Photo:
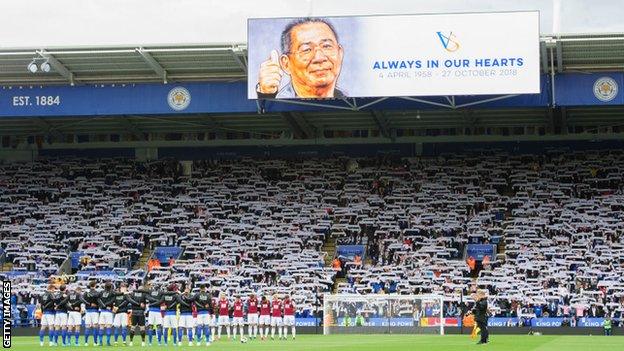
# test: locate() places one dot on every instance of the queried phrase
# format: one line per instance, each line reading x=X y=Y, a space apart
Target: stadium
x=312 y=174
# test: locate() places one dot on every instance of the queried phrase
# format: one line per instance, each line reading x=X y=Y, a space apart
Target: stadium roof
x=112 y=65
x=107 y=65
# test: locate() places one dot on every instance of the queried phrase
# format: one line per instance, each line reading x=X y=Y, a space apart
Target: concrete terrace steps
x=6 y=266
x=338 y=282
x=145 y=256
x=330 y=248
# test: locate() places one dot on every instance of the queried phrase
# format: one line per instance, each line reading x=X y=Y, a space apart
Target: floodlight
x=45 y=67
x=32 y=67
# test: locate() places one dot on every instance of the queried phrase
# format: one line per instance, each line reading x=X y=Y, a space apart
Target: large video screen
x=406 y=55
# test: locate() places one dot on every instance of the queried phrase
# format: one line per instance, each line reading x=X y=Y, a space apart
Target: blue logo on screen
x=449 y=42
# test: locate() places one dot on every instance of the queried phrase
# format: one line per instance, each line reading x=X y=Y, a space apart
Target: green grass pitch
x=377 y=343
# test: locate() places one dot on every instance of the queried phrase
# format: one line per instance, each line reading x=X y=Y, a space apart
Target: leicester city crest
x=605 y=89
x=179 y=98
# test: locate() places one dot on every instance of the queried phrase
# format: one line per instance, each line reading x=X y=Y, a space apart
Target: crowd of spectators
x=259 y=225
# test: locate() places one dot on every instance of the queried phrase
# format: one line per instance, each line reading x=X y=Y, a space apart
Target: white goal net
x=375 y=314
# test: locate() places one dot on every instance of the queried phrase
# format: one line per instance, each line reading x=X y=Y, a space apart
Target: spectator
x=486 y=262
x=153 y=263
x=336 y=264
x=23 y=315
x=472 y=263
x=38 y=314
x=561 y=222
x=606 y=325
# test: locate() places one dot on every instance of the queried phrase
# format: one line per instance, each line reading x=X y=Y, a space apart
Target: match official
x=137 y=303
x=480 y=312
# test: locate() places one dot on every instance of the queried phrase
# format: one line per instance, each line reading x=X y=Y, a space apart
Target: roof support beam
x=559 y=57
x=292 y=125
x=433 y=103
x=308 y=103
x=58 y=66
x=212 y=124
x=154 y=65
x=469 y=120
x=372 y=103
x=486 y=100
x=382 y=123
x=307 y=128
x=544 y=57
x=239 y=56
x=133 y=128
x=299 y=126
x=48 y=129
x=209 y=125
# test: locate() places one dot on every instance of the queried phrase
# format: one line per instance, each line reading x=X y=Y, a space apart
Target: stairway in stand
x=6 y=266
x=330 y=248
x=145 y=256
x=337 y=283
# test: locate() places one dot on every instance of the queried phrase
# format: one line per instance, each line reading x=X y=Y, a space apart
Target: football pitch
x=377 y=343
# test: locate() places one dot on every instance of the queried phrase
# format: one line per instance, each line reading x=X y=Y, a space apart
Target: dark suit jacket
x=480 y=311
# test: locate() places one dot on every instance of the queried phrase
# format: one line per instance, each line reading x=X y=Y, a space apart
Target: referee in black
x=136 y=304
x=480 y=312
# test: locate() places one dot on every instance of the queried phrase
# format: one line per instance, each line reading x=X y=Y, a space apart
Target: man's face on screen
x=315 y=57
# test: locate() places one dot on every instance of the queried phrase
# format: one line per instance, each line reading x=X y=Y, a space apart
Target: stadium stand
x=259 y=226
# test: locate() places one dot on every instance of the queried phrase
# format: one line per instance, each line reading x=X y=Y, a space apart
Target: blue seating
x=75 y=259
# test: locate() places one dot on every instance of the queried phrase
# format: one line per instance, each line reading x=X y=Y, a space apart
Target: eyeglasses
x=307 y=51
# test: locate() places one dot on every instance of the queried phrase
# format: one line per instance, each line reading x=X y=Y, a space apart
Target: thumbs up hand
x=270 y=74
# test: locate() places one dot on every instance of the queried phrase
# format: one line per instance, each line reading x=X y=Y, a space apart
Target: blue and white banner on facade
x=546 y=322
x=503 y=322
x=590 y=322
x=116 y=99
x=596 y=89
x=398 y=55
x=380 y=322
x=581 y=89
x=193 y=98
x=307 y=322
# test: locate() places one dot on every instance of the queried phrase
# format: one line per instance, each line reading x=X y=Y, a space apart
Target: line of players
x=106 y=314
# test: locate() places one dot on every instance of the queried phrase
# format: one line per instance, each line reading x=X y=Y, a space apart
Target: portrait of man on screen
x=311 y=55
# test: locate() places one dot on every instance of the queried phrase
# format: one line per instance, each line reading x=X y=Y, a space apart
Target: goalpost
x=375 y=314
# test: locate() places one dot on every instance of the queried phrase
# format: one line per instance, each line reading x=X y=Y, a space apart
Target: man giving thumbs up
x=311 y=56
